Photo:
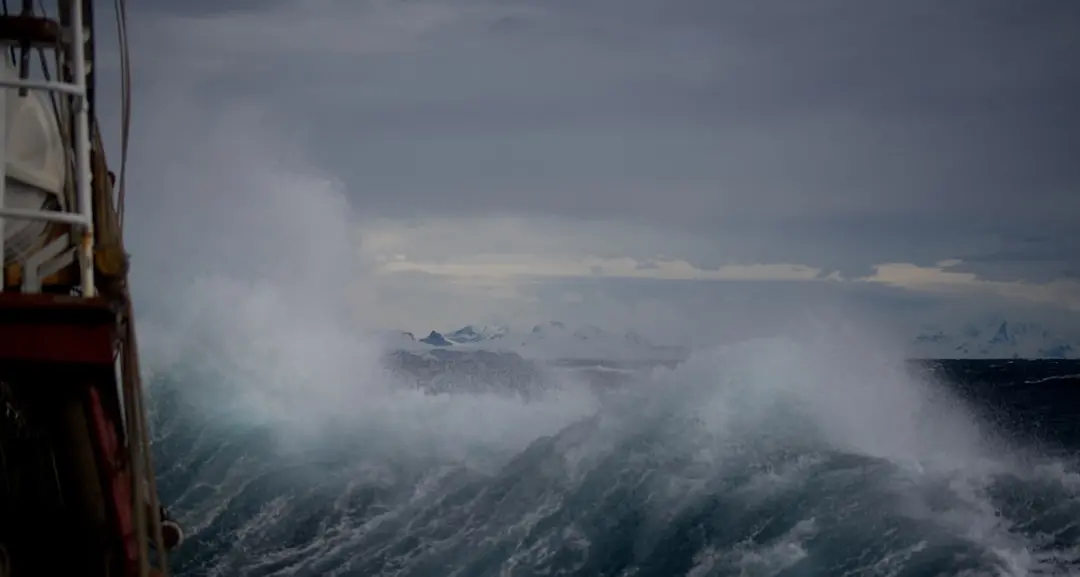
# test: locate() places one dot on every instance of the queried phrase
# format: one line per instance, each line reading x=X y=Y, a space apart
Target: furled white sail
x=35 y=164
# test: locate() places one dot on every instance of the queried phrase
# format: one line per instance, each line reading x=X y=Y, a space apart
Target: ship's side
x=77 y=490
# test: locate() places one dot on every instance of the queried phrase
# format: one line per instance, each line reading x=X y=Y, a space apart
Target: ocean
x=764 y=458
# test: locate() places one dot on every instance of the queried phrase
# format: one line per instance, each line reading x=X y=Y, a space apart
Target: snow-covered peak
x=436 y=339
x=474 y=334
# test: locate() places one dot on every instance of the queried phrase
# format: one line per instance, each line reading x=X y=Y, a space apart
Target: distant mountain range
x=994 y=337
x=547 y=341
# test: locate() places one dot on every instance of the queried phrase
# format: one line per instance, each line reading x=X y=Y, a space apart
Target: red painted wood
x=56 y=329
x=58 y=306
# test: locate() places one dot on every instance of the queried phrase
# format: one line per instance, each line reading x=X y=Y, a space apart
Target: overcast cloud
x=526 y=159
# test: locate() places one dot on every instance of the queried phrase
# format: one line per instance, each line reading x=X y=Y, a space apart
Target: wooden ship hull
x=77 y=488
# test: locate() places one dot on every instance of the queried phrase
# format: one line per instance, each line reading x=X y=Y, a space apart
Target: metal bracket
x=48 y=261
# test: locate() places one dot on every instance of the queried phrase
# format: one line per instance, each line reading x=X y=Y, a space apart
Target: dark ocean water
x=751 y=460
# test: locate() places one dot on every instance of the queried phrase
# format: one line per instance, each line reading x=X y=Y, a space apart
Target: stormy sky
x=673 y=163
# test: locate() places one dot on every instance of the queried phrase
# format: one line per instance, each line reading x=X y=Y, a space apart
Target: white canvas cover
x=35 y=164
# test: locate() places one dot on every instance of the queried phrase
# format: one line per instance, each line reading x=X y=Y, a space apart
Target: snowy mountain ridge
x=996 y=338
x=990 y=338
x=552 y=340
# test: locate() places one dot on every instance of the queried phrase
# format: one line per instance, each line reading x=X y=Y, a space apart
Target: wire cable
x=125 y=108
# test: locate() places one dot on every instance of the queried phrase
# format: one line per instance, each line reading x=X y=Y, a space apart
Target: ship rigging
x=77 y=488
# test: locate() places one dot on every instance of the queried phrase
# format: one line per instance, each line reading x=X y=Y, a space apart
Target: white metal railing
x=82 y=219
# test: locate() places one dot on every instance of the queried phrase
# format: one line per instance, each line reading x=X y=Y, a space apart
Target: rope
x=139 y=427
x=139 y=436
x=125 y=107
x=139 y=444
x=136 y=449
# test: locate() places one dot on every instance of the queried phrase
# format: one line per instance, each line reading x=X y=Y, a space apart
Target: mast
x=70 y=383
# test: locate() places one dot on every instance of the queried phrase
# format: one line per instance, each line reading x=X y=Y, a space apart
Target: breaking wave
x=291 y=452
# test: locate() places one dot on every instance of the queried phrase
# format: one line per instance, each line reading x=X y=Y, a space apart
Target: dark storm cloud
x=203 y=7
x=732 y=108
x=842 y=133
